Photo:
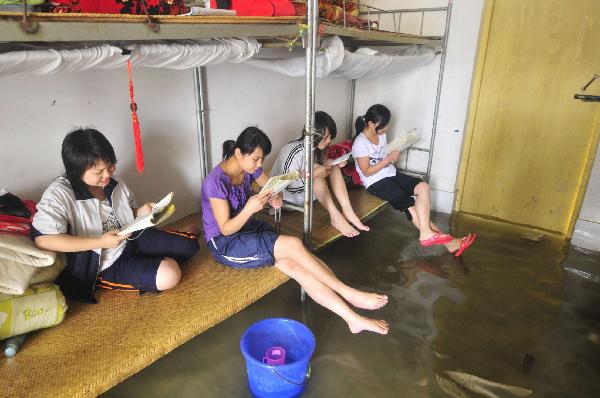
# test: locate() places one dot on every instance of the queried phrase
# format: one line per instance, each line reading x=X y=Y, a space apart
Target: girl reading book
x=406 y=193
x=236 y=239
x=81 y=214
x=291 y=157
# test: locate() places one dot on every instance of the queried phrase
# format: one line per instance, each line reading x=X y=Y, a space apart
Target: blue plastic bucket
x=266 y=381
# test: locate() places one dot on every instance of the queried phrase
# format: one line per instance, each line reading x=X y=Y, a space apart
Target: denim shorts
x=252 y=247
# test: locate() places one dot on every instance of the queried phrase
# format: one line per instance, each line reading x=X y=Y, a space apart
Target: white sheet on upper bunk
x=182 y=55
x=335 y=62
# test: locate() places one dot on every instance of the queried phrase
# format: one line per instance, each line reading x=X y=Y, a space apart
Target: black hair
x=83 y=148
x=250 y=139
x=378 y=114
x=322 y=121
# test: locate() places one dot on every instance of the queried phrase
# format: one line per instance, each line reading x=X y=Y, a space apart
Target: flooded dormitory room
x=318 y=198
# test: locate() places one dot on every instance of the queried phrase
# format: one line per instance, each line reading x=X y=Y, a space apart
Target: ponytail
x=228 y=149
x=359 y=125
x=250 y=139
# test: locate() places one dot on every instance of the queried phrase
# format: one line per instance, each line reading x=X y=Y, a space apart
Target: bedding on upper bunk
x=336 y=62
x=182 y=55
x=154 y=7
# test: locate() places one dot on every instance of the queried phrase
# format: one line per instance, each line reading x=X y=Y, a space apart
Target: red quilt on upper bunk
x=155 y=7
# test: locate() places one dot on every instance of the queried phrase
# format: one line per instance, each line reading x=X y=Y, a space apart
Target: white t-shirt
x=361 y=148
x=291 y=157
x=109 y=223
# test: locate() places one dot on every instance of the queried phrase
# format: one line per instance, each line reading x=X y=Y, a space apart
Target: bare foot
x=367 y=301
x=339 y=222
x=372 y=325
x=353 y=218
x=454 y=245
x=192 y=229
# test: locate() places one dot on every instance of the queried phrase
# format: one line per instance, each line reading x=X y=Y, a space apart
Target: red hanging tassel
x=137 y=138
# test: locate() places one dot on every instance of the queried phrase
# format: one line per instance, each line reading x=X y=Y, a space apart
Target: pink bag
x=258 y=8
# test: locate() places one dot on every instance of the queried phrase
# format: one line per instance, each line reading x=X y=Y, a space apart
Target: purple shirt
x=218 y=185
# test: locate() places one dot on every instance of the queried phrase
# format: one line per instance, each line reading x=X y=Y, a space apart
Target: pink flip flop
x=437 y=239
x=465 y=243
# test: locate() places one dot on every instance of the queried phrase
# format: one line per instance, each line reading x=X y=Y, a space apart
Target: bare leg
x=338 y=186
x=168 y=274
x=452 y=246
x=289 y=247
x=423 y=209
x=328 y=299
x=337 y=219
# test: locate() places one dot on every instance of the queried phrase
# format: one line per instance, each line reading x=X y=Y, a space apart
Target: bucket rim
x=249 y=357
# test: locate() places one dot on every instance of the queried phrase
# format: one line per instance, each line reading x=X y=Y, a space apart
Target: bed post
x=199 y=79
x=350 y=132
x=438 y=94
x=312 y=19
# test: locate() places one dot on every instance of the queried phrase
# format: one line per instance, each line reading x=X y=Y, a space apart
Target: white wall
x=411 y=98
x=37 y=111
x=587 y=228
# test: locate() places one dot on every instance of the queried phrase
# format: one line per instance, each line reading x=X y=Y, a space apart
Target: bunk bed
x=98 y=346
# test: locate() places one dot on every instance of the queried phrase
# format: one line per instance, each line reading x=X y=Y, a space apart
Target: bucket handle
x=293 y=382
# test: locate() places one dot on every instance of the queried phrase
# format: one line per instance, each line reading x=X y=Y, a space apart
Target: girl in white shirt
x=409 y=194
x=291 y=157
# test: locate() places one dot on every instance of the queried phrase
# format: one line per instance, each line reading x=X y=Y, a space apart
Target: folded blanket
x=23 y=250
x=22 y=263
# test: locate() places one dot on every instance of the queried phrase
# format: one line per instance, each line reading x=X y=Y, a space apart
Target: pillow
x=41 y=306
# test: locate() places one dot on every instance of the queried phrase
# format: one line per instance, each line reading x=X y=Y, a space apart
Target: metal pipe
x=199 y=79
x=439 y=90
x=351 y=109
x=312 y=12
x=400 y=10
x=309 y=117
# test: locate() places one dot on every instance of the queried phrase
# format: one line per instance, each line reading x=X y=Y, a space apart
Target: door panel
x=530 y=138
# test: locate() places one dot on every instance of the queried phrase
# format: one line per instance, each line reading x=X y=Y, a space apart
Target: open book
x=403 y=141
x=160 y=212
x=278 y=183
x=339 y=160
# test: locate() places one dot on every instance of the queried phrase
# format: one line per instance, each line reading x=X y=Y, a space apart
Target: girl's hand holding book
x=146 y=208
x=276 y=202
x=110 y=239
x=258 y=201
x=392 y=157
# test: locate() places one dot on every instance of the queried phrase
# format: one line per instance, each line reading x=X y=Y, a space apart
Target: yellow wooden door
x=529 y=144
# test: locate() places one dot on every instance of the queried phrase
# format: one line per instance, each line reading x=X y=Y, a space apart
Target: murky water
x=506 y=312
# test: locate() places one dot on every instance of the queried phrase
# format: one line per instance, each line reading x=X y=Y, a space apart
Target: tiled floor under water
x=511 y=311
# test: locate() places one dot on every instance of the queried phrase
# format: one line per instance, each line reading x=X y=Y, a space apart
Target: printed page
x=278 y=183
x=403 y=141
x=160 y=212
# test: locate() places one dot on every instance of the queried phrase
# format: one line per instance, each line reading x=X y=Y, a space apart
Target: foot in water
x=339 y=222
x=353 y=218
x=367 y=301
x=372 y=325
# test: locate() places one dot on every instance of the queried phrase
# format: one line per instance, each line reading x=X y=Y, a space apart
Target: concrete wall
x=37 y=111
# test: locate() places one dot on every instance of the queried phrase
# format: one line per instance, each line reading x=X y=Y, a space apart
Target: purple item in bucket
x=274 y=356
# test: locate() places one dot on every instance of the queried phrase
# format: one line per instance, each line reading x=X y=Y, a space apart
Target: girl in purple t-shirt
x=235 y=238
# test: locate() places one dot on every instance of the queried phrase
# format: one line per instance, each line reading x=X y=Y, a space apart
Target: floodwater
x=511 y=317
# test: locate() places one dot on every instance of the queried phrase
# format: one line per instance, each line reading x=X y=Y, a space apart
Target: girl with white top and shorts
x=411 y=195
